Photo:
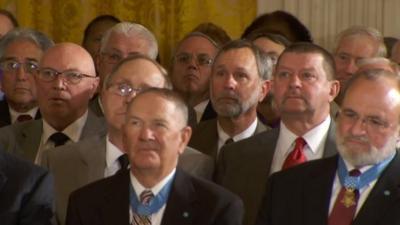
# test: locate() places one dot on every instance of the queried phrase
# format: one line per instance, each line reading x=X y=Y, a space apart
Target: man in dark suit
x=154 y=189
x=65 y=83
x=78 y=164
x=303 y=85
x=20 y=53
x=118 y=42
x=361 y=184
x=26 y=192
x=239 y=80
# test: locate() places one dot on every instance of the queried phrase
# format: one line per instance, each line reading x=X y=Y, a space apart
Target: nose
x=229 y=81
x=129 y=97
x=146 y=133
x=59 y=82
x=358 y=127
x=351 y=67
x=294 y=81
x=21 y=74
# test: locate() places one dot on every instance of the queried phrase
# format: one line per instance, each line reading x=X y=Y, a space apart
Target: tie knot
x=300 y=142
x=24 y=117
x=59 y=138
x=229 y=141
x=146 y=196
x=123 y=161
x=355 y=173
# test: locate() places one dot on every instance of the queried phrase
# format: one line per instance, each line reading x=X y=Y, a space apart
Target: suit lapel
x=180 y=203
x=29 y=139
x=93 y=155
x=93 y=126
x=330 y=144
x=5 y=117
x=209 y=112
x=317 y=192
x=383 y=196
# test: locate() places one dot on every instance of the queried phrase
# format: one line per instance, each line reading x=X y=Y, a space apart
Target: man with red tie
x=303 y=85
x=361 y=184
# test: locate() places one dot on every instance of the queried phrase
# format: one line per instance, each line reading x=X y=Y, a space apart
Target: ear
x=333 y=89
x=94 y=85
x=186 y=133
x=265 y=89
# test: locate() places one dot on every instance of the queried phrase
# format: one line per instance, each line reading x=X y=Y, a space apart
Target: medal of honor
x=349 y=198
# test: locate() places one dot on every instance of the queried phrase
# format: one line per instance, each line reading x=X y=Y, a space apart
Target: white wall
x=326 y=18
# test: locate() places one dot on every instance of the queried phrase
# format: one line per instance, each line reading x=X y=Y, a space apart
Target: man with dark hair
x=154 y=190
x=303 y=85
x=361 y=184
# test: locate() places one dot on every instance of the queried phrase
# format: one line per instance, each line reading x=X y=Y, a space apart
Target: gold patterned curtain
x=65 y=20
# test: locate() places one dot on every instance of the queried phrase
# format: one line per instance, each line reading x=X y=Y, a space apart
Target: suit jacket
x=94 y=106
x=26 y=192
x=205 y=136
x=5 y=117
x=209 y=112
x=23 y=139
x=78 y=164
x=244 y=167
x=306 y=200
x=191 y=201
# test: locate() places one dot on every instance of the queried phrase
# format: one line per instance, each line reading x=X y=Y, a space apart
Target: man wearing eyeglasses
x=20 y=53
x=239 y=80
x=191 y=68
x=360 y=185
x=120 y=41
x=103 y=155
x=65 y=83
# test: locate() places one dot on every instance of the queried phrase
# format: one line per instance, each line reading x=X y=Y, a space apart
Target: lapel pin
x=386 y=192
x=185 y=214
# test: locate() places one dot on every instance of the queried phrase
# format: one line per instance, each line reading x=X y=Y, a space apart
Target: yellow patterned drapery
x=65 y=20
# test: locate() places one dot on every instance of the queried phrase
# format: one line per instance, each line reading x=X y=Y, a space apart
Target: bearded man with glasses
x=20 y=53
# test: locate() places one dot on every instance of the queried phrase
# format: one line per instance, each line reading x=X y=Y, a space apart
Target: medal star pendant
x=349 y=198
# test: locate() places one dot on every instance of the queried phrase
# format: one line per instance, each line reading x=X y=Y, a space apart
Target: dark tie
x=345 y=206
x=24 y=117
x=297 y=155
x=145 y=198
x=229 y=141
x=59 y=138
x=123 y=163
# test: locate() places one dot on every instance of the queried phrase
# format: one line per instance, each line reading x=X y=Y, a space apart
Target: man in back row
x=303 y=86
x=154 y=191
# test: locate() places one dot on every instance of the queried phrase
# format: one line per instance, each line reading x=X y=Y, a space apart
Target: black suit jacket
x=26 y=192
x=5 y=117
x=301 y=196
x=107 y=202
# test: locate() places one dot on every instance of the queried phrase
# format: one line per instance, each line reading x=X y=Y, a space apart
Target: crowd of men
x=269 y=129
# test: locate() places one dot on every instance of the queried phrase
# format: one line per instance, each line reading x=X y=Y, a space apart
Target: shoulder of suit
x=21 y=168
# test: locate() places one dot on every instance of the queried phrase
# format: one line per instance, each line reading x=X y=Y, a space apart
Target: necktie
x=123 y=162
x=24 y=117
x=145 y=198
x=59 y=138
x=297 y=155
x=345 y=206
x=229 y=141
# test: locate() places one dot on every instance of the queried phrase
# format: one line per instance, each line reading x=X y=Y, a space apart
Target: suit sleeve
x=264 y=213
x=38 y=205
x=232 y=214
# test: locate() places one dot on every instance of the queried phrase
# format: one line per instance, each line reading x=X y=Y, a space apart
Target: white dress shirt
x=73 y=131
x=248 y=132
x=199 y=109
x=314 y=149
x=14 y=114
x=112 y=155
x=155 y=217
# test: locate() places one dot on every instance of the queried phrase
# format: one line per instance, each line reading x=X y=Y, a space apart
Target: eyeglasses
x=70 y=76
x=372 y=123
x=112 y=58
x=13 y=66
x=201 y=59
x=124 y=89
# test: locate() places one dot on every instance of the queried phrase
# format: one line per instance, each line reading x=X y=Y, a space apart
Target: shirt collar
x=73 y=131
x=313 y=137
x=199 y=109
x=139 y=188
x=248 y=132
x=112 y=152
x=14 y=114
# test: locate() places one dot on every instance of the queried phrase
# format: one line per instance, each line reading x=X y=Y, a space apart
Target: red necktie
x=345 y=205
x=297 y=155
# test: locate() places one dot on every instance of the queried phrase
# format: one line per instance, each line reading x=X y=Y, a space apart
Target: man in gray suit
x=239 y=80
x=76 y=165
x=65 y=83
x=120 y=41
x=303 y=85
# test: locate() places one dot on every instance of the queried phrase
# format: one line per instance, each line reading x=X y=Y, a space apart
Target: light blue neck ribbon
x=358 y=182
x=155 y=203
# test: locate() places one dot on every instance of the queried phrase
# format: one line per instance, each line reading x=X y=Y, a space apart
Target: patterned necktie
x=123 y=163
x=346 y=204
x=59 y=138
x=297 y=155
x=24 y=117
x=145 y=197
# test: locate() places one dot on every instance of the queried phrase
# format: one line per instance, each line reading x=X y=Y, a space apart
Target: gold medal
x=349 y=198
